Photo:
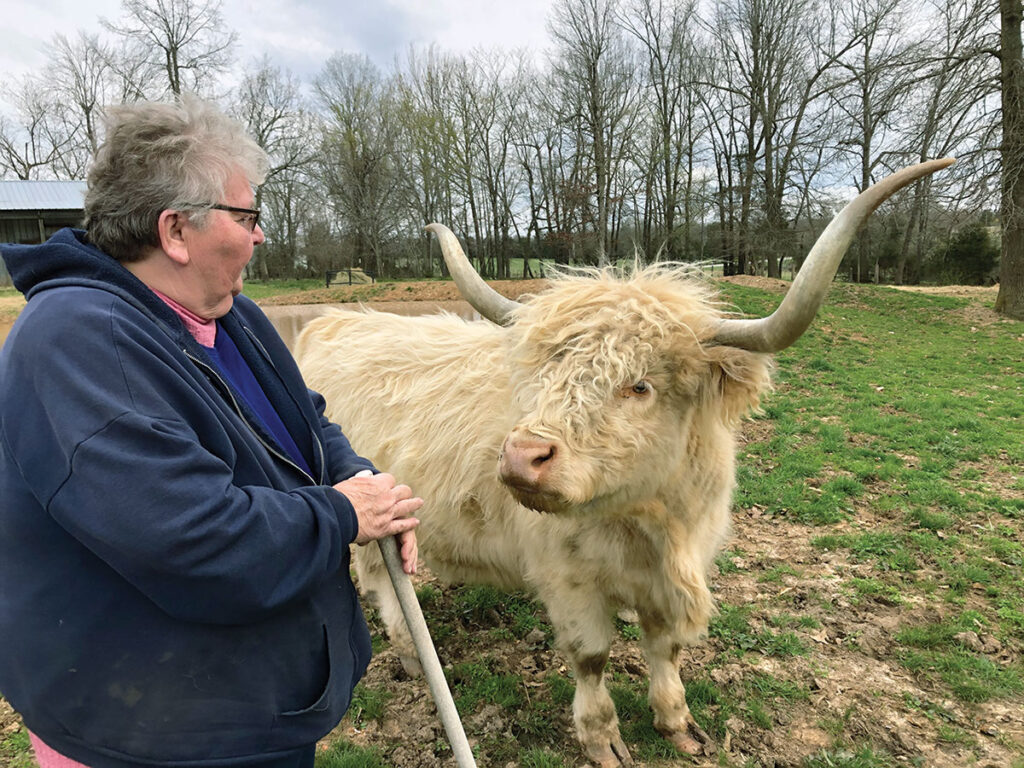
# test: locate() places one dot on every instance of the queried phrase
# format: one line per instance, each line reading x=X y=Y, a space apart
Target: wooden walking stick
x=428 y=654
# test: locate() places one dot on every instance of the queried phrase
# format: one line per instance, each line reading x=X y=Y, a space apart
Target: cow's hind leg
x=375 y=584
x=584 y=633
x=667 y=696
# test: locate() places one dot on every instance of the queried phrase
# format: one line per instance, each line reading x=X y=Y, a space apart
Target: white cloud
x=297 y=35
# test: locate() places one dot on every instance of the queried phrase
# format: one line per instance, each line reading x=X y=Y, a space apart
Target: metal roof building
x=31 y=211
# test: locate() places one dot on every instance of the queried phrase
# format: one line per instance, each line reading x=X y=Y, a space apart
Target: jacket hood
x=67 y=258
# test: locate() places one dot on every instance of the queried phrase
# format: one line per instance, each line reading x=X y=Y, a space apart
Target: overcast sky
x=299 y=35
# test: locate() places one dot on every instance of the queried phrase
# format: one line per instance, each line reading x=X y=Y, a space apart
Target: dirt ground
x=856 y=684
x=436 y=290
x=10 y=306
x=858 y=690
x=422 y=290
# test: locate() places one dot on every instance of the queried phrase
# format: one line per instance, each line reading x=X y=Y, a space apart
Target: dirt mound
x=417 y=290
x=963 y=291
x=770 y=284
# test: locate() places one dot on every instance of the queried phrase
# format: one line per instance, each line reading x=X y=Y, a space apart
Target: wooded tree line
x=726 y=131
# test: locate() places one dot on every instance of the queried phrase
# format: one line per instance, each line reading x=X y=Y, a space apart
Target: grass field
x=871 y=600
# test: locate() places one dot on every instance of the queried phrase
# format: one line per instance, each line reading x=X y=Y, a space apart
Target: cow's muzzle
x=526 y=466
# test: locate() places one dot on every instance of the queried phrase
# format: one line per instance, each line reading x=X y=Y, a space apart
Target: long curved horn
x=807 y=293
x=484 y=299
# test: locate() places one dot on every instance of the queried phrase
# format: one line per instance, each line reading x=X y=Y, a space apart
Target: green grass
x=934 y=651
x=477 y=683
x=504 y=614
x=367 y=704
x=344 y=755
x=894 y=445
x=16 y=751
x=541 y=758
x=733 y=627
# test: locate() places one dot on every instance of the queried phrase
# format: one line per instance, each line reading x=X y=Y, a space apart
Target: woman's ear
x=171 y=228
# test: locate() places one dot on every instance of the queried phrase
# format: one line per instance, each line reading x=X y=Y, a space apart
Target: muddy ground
x=859 y=692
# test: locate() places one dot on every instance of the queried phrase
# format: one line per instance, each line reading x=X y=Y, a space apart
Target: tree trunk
x=1010 y=300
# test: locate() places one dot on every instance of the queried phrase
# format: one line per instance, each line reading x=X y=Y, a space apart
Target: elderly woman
x=177 y=512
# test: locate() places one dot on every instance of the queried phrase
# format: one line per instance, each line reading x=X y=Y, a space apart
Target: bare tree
x=269 y=102
x=56 y=129
x=551 y=175
x=505 y=181
x=133 y=79
x=780 y=56
x=489 y=91
x=32 y=144
x=472 y=115
x=949 y=112
x=358 y=156
x=882 y=68
x=186 y=40
x=596 y=83
x=423 y=93
x=664 y=33
x=733 y=145
x=80 y=76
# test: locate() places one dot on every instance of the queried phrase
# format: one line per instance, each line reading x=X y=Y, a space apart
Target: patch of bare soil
x=421 y=290
x=978 y=313
x=10 y=306
x=963 y=291
x=769 y=284
x=775 y=285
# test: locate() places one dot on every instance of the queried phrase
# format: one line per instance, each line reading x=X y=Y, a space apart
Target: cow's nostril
x=544 y=457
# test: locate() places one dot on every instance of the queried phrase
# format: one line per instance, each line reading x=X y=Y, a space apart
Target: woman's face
x=219 y=251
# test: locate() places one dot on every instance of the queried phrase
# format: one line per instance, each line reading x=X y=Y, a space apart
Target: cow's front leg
x=583 y=632
x=375 y=584
x=667 y=696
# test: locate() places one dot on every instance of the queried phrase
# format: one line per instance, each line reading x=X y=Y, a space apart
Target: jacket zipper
x=312 y=432
x=234 y=404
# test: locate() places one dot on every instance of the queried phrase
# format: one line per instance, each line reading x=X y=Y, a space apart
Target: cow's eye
x=641 y=389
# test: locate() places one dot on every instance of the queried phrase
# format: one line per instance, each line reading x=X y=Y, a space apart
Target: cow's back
x=424 y=398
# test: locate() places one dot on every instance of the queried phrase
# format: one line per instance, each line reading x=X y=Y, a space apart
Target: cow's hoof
x=411 y=665
x=610 y=754
x=628 y=615
x=692 y=741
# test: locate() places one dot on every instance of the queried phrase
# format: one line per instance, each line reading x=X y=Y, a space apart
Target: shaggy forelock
x=596 y=331
x=157 y=156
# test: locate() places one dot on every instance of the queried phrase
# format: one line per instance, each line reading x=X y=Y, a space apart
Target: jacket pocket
x=324 y=700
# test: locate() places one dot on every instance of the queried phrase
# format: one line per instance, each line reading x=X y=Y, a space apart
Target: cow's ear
x=738 y=379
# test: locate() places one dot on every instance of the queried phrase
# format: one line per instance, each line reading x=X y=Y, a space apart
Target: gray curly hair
x=157 y=156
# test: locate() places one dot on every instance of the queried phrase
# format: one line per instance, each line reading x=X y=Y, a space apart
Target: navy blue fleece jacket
x=173 y=589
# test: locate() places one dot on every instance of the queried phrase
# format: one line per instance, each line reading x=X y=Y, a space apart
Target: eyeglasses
x=251 y=219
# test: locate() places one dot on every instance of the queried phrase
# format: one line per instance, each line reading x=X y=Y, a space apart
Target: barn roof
x=42 y=195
